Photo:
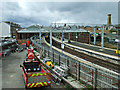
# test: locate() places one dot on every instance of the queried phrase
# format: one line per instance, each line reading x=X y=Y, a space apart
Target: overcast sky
x=44 y=13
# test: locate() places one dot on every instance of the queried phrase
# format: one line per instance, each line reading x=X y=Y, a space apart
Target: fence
x=87 y=75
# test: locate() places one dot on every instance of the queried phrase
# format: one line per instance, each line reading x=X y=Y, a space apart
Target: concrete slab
x=74 y=83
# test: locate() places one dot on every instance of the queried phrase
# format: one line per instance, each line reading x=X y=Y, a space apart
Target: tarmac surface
x=12 y=73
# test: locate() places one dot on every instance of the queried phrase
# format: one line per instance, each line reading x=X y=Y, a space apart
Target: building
x=109 y=20
x=24 y=34
x=13 y=28
x=5 y=30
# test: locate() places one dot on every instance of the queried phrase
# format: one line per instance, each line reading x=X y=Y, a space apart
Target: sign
x=96 y=34
x=76 y=36
x=62 y=46
x=113 y=32
x=117 y=40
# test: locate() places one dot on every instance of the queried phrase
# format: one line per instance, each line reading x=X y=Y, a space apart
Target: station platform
x=107 y=52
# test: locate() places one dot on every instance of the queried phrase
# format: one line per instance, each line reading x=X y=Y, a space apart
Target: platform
x=111 y=53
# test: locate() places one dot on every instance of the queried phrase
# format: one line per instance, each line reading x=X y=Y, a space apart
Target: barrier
x=86 y=74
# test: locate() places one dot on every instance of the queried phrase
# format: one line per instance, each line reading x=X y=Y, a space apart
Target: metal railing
x=87 y=75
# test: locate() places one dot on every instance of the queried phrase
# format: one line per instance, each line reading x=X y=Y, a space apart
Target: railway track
x=98 y=61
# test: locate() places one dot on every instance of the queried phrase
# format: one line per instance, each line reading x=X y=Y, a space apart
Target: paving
x=74 y=83
x=12 y=73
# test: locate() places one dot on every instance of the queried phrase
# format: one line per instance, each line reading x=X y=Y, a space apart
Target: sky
x=45 y=13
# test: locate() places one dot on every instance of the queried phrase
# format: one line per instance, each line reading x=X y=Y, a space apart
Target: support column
x=102 y=38
x=40 y=36
x=53 y=57
x=94 y=36
x=69 y=37
x=95 y=84
x=50 y=39
x=79 y=71
x=62 y=46
x=89 y=39
x=59 y=59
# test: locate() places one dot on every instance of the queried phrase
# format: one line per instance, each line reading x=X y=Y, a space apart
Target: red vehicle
x=35 y=75
x=30 y=55
x=27 y=43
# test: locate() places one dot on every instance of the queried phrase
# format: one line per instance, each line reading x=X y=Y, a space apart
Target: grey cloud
x=47 y=12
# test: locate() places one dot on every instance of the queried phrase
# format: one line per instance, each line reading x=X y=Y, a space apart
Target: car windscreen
x=31 y=65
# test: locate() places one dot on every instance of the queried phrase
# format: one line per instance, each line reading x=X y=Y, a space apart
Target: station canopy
x=54 y=30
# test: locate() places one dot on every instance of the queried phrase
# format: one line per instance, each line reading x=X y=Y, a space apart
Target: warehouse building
x=5 y=30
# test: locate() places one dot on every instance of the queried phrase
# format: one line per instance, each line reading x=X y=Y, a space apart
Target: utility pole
x=94 y=36
x=102 y=38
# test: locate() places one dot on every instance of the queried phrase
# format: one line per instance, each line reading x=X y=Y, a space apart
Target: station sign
x=117 y=40
x=62 y=46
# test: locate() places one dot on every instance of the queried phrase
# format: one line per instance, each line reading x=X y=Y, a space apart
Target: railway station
x=60 y=55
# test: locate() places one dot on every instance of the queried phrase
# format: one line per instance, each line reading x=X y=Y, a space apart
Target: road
x=12 y=74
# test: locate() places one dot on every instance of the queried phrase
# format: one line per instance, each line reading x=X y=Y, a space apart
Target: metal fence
x=87 y=75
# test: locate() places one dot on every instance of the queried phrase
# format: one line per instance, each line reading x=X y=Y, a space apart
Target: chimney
x=109 y=19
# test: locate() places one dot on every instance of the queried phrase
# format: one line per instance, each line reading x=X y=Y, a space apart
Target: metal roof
x=37 y=30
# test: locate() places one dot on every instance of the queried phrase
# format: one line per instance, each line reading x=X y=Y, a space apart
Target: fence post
x=59 y=59
x=76 y=70
x=119 y=81
x=95 y=84
x=67 y=61
x=79 y=71
x=53 y=56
